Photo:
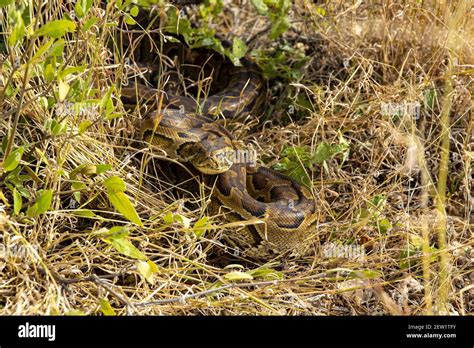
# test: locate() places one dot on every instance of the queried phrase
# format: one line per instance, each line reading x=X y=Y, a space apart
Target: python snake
x=278 y=212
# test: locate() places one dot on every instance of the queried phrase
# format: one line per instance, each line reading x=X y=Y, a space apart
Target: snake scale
x=277 y=212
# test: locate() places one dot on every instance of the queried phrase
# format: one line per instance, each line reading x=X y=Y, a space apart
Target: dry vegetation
x=403 y=190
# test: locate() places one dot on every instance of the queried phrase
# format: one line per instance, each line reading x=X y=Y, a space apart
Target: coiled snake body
x=278 y=212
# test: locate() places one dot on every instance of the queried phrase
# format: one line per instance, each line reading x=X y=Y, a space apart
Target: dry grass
x=361 y=57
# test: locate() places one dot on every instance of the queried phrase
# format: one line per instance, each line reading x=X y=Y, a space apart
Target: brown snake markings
x=252 y=193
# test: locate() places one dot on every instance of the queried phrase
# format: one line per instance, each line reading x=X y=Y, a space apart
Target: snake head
x=212 y=155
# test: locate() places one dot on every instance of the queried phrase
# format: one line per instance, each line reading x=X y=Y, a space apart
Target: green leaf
x=384 y=225
x=168 y=218
x=71 y=70
x=102 y=168
x=49 y=73
x=115 y=184
x=42 y=50
x=237 y=275
x=200 y=226
x=147 y=269
x=323 y=153
x=122 y=203
x=13 y=159
x=17 y=201
x=18 y=31
x=125 y=247
x=106 y=308
x=239 y=48
x=129 y=19
x=106 y=102
x=58 y=48
x=57 y=28
x=4 y=3
x=279 y=27
x=134 y=11
x=321 y=11
x=89 y=23
x=78 y=186
x=84 y=125
x=58 y=128
x=429 y=99
x=32 y=210
x=115 y=192
x=44 y=201
x=63 y=90
x=78 y=10
x=260 y=6
x=87 y=213
x=266 y=273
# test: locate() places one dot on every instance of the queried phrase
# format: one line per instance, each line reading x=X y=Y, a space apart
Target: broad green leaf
x=114 y=183
x=78 y=10
x=84 y=125
x=429 y=99
x=260 y=6
x=117 y=232
x=57 y=28
x=115 y=192
x=266 y=273
x=89 y=23
x=122 y=203
x=71 y=70
x=76 y=186
x=102 y=168
x=18 y=31
x=384 y=225
x=147 y=269
x=4 y=3
x=84 y=169
x=321 y=11
x=174 y=217
x=125 y=247
x=86 y=5
x=49 y=73
x=58 y=48
x=323 y=153
x=44 y=201
x=168 y=218
x=42 y=50
x=186 y=222
x=279 y=27
x=17 y=201
x=32 y=210
x=63 y=89
x=237 y=275
x=106 y=308
x=106 y=102
x=85 y=213
x=200 y=226
x=134 y=11
x=58 y=128
x=13 y=159
x=129 y=19
x=239 y=48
